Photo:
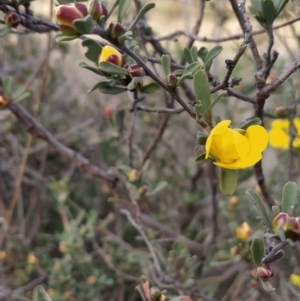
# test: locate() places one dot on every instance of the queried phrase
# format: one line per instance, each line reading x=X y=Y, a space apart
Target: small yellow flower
x=295 y=280
x=279 y=133
x=110 y=55
x=243 y=232
x=236 y=148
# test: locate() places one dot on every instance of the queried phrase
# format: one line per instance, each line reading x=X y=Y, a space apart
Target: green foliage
x=257 y=250
x=260 y=207
x=202 y=92
x=228 y=181
x=289 y=197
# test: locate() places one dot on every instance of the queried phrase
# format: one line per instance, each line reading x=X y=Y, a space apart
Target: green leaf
x=201 y=158
x=166 y=63
x=267 y=285
x=281 y=7
x=150 y=88
x=183 y=77
x=159 y=187
x=202 y=52
x=140 y=15
x=194 y=53
x=95 y=70
x=202 y=91
x=228 y=181
x=257 y=250
x=254 y=121
x=7 y=85
x=94 y=49
x=201 y=138
x=112 y=68
x=187 y=55
x=60 y=37
x=4 y=30
x=289 y=197
x=108 y=88
x=192 y=68
x=260 y=207
x=211 y=55
x=84 y=25
x=127 y=36
x=20 y=94
x=275 y=210
x=123 y=7
x=269 y=12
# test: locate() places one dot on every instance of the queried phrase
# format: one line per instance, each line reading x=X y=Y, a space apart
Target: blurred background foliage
x=67 y=239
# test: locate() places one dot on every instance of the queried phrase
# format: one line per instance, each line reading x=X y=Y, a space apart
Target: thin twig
x=222 y=39
x=145 y=238
x=37 y=130
x=156 y=139
x=196 y=28
x=159 y=110
x=292 y=133
x=101 y=252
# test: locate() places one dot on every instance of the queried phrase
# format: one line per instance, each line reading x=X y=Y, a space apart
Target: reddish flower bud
x=172 y=80
x=108 y=112
x=265 y=272
x=289 y=224
x=3 y=101
x=96 y=11
x=110 y=55
x=135 y=70
x=280 y=221
x=12 y=19
x=142 y=190
x=281 y=112
x=65 y=15
x=116 y=29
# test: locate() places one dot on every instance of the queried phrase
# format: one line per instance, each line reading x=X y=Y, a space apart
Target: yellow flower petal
x=295 y=279
x=279 y=137
x=258 y=138
x=241 y=164
x=217 y=130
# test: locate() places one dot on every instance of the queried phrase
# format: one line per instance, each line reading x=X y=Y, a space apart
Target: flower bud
x=135 y=84
x=132 y=175
x=281 y=112
x=172 y=80
x=142 y=190
x=31 y=258
x=108 y=112
x=96 y=11
x=110 y=55
x=289 y=224
x=135 y=70
x=12 y=19
x=243 y=232
x=3 y=101
x=91 y=280
x=116 y=29
x=234 y=251
x=265 y=272
x=155 y=293
x=65 y=15
x=280 y=221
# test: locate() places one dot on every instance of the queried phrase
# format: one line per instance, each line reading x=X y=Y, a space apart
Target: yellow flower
x=279 y=133
x=110 y=55
x=236 y=148
x=295 y=279
x=243 y=232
